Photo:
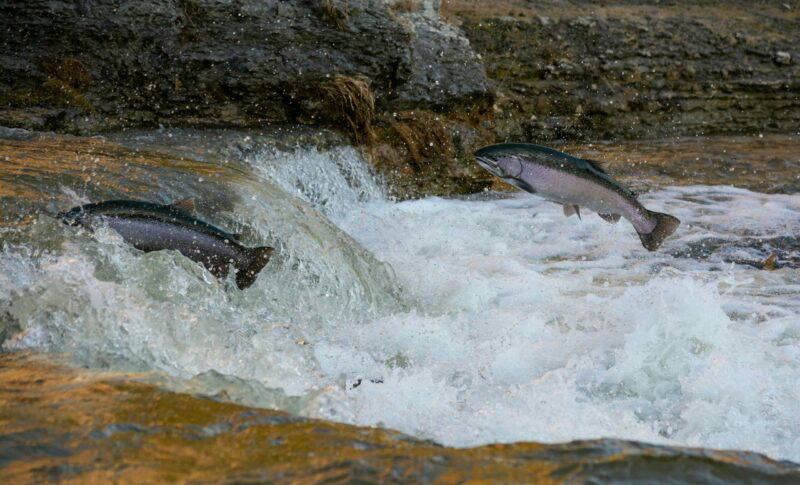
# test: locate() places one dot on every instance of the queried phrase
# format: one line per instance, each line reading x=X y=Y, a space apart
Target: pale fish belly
x=147 y=236
x=565 y=188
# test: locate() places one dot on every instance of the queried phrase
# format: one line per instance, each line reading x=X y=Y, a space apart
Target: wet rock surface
x=106 y=64
x=107 y=427
x=763 y=253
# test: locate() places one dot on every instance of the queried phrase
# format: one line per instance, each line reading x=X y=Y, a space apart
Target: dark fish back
x=165 y=213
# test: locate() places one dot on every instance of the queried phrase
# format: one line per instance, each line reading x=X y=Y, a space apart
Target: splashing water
x=499 y=320
x=537 y=327
x=334 y=181
x=96 y=297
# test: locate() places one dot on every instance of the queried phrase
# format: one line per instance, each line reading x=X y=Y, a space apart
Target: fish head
x=499 y=162
x=489 y=165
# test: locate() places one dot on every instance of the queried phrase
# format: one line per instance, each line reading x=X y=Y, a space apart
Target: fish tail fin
x=665 y=225
x=254 y=261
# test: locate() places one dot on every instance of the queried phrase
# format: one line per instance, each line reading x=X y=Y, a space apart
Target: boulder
x=89 y=65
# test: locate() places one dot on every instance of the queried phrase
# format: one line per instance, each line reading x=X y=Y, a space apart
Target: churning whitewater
x=468 y=321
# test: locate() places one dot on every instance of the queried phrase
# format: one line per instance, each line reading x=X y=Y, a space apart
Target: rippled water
x=491 y=318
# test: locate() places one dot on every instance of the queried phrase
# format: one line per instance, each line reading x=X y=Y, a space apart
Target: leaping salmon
x=575 y=183
x=153 y=227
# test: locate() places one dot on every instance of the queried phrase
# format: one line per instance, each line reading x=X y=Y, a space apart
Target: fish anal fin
x=570 y=209
x=219 y=270
x=188 y=204
x=612 y=218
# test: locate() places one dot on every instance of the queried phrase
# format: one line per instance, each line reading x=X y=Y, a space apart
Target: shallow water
x=486 y=319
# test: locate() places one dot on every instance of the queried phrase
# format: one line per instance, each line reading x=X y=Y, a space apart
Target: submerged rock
x=764 y=253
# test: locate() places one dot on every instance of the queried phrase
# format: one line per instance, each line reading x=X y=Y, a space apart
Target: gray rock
x=429 y=8
x=584 y=22
x=241 y=62
x=16 y=134
x=444 y=69
x=635 y=59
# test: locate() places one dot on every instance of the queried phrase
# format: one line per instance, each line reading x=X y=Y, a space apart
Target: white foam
x=532 y=326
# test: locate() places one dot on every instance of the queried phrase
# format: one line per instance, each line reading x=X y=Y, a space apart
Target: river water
x=488 y=318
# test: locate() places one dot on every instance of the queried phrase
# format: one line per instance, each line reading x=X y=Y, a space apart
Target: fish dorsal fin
x=188 y=205
x=597 y=168
x=572 y=209
x=612 y=218
x=595 y=165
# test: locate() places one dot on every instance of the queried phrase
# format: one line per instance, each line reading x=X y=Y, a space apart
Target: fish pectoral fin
x=187 y=205
x=612 y=218
x=570 y=209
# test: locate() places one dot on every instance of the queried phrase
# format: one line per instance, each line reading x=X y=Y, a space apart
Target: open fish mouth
x=490 y=165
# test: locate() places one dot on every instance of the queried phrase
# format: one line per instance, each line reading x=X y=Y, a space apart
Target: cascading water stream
x=92 y=295
x=468 y=321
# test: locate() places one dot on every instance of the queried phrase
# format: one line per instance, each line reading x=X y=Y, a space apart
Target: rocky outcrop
x=625 y=69
x=434 y=39
x=101 y=64
x=401 y=79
